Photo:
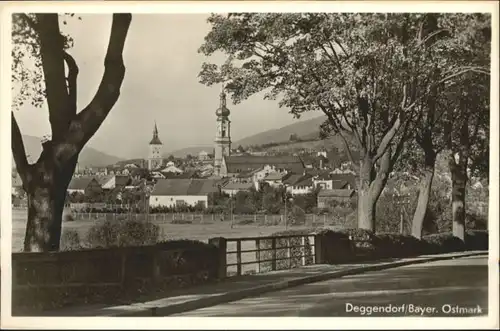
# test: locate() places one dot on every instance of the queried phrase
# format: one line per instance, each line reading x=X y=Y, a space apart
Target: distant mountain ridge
x=89 y=157
x=308 y=129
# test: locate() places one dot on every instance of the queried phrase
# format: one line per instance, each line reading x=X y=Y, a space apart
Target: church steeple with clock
x=223 y=134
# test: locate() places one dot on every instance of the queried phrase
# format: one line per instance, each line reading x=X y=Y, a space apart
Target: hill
x=304 y=129
x=89 y=157
x=194 y=150
x=308 y=129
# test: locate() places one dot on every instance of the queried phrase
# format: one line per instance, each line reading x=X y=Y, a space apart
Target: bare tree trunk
x=371 y=185
x=46 y=198
x=423 y=194
x=458 y=183
x=366 y=204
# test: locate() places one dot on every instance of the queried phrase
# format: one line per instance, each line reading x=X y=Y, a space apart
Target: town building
x=234 y=165
x=183 y=192
x=275 y=178
x=328 y=198
x=170 y=167
x=111 y=182
x=232 y=188
x=155 y=158
x=297 y=184
x=84 y=185
x=331 y=181
x=222 y=140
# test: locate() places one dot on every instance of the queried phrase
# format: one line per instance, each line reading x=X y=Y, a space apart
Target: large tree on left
x=46 y=180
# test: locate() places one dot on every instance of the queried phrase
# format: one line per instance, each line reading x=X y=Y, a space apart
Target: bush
x=363 y=242
x=68 y=218
x=476 y=240
x=397 y=245
x=297 y=216
x=70 y=240
x=441 y=243
x=124 y=233
x=476 y=221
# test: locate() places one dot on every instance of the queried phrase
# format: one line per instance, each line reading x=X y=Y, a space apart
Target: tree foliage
x=27 y=75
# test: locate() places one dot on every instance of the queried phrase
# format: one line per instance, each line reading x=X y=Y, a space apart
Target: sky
x=161 y=84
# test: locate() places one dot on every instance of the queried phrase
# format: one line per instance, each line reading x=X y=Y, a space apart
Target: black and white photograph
x=249 y=159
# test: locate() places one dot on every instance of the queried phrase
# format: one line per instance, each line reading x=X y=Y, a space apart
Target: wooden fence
x=233 y=220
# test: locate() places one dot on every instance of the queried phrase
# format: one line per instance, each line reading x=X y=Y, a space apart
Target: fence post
x=273 y=251
x=221 y=245
x=324 y=219
x=257 y=255
x=303 y=243
x=314 y=219
x=238 y=257
x=265 y=219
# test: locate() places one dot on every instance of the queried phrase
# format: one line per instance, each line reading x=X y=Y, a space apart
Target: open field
x=201 y=227
x=197 y=230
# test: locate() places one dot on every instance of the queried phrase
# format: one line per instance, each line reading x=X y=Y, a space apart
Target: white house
x=111 y=182
x=177 y=192
x=232 y=188
x=172 y=168
x=297 y=184
x=275 y=178
x=131 y=165
x=157 y=175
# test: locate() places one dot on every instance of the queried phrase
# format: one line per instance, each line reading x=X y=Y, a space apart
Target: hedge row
x=354 y=245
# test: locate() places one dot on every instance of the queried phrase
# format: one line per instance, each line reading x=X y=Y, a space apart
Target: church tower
x=223 y=134
x=155 y=151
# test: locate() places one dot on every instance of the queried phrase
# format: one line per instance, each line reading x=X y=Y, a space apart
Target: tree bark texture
x=458 y=184
x=424 y=193
x=371 y=184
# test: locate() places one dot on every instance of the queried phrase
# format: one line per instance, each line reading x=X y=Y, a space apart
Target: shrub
x=70 y=240
x=441 y=243
x=363 y=242
x=297 y=216
x=124 y=233
x=476 y=240
x=68 y=218
x=396 y=245
x=476 y=221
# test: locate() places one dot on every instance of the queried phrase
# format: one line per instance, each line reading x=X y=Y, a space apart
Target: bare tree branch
x=387 y=139
x=88 y=121
x=52 y=54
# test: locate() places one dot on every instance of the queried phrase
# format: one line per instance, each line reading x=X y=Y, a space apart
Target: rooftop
x=187 y=187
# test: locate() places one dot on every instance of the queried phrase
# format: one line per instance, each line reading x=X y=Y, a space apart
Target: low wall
x=43 y=281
